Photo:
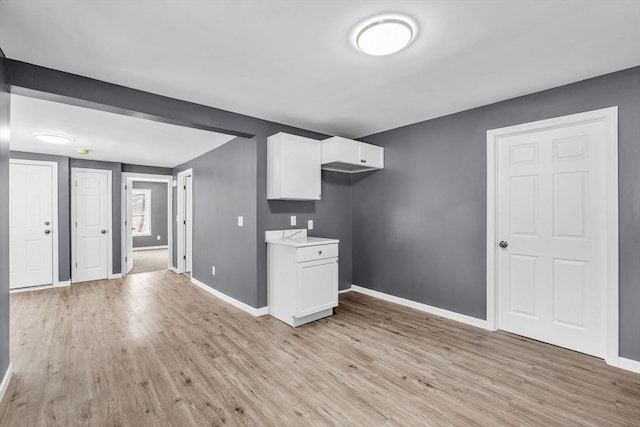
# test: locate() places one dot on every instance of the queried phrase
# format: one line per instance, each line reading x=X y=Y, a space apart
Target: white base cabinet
x=302 y=281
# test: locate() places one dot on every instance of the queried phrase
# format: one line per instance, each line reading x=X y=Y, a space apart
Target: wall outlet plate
x=310 y=224
x=157 y=237
x=240 y=221
x=213 y=270
x=293 y=220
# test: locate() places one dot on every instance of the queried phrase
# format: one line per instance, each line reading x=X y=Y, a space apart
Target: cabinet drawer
x=311 y=253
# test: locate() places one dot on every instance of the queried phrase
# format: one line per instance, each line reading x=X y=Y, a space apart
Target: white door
x=129 y=224
x=91 y=207
x=551 y=222
x=188 y=226
x=30 y=225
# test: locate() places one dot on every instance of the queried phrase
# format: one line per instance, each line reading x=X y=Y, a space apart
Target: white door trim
x=54 y=213
x=168 y=179
x=181 y=264
x=74 y=171
x=610 y=117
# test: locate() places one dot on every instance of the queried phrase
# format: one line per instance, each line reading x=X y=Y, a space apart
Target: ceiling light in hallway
x=384 y=35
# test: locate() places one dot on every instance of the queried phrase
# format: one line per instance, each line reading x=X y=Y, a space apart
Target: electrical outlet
x=158 y=238
x=213 y=270
x=240 y=221
x=293 y=220
x=310 y=224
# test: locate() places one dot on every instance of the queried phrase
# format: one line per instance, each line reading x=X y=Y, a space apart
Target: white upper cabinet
x=293 y=167
x=346 y=155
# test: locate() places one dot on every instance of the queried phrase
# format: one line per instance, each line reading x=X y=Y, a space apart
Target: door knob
x=47 y=231
x=47 y=223
x=503 y=244
x=103 y=231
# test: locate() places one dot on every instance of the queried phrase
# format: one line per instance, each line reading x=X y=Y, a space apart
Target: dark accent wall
x=5 y=107
x=419 y=226
x=158 y=213
x=224 y=187
x=64 y=205
x=154 y=170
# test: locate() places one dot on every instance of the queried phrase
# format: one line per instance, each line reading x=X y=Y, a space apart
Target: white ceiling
x=292 y=61
x=108 y=136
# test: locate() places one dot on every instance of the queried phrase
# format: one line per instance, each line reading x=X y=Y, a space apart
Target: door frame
x=610 y=117
x=74 y=244
x=181 y=264
x=54 y=214
x=131 y=177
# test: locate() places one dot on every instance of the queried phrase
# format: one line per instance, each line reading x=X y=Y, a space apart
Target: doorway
x=33 y=224
x=552 y=231
x=146 y=222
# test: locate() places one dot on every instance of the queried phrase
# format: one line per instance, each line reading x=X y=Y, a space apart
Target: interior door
x=188 y=209
x=129 y=224
x=92 y=212
x=551 y=228
x=30 y=225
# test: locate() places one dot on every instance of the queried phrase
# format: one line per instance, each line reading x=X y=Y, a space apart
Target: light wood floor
x=154 y=350
x=149 y=260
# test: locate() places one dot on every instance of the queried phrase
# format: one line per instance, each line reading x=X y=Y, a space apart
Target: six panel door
x=551 y=213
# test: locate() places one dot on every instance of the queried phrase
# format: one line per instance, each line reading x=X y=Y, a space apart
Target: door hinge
x=126 y=259
x=76 y=224
x=184 y=222
x=125 y=223
x=76 y=265
x=125 y=187
x=184 y=187
x=184 y=257
x=76 y=183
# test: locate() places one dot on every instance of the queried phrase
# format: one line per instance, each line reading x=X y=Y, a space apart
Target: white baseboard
x=451 y=315
x=62 y=284
x=344 y=290
x=115 y=276
x=172 y=268
x=629 y=365
x=234 y=302
x=5 y=381
x=150 y=248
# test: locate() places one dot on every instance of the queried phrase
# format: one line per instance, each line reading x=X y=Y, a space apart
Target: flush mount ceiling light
x=53 y=139
x=384 y=34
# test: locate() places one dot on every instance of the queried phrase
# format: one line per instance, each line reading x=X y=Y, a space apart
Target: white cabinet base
x=299 y=321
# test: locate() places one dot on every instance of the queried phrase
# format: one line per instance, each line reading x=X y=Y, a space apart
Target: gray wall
x=5 y=104
x=158 y=211
x=224 y=187
x=154 y=170
x=419 y=226
x=64 y=207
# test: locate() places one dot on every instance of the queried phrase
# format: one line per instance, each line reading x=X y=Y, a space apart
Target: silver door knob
x=103 y=231
x=47 y=231
x=503 y=244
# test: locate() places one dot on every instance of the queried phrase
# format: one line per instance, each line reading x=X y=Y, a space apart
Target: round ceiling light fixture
x=384 y=34
x=53 y=139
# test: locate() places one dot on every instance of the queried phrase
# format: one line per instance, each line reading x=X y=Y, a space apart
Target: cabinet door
x=349 y=151
x=372 y=155
x=317 y=288
x=300 y=168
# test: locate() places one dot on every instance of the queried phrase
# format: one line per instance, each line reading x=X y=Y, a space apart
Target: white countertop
x=303 y=241
x=296 y=237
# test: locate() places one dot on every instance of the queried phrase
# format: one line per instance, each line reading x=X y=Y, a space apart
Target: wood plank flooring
x=154 y=350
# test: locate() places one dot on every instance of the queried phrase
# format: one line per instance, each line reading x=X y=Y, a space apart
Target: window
x=141 y=221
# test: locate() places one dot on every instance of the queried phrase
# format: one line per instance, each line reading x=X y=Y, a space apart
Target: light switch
x=293 y=220
x=213 y=270
x=158 y=237
x=174 y=183
x=310 y=224
x=240 y=221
